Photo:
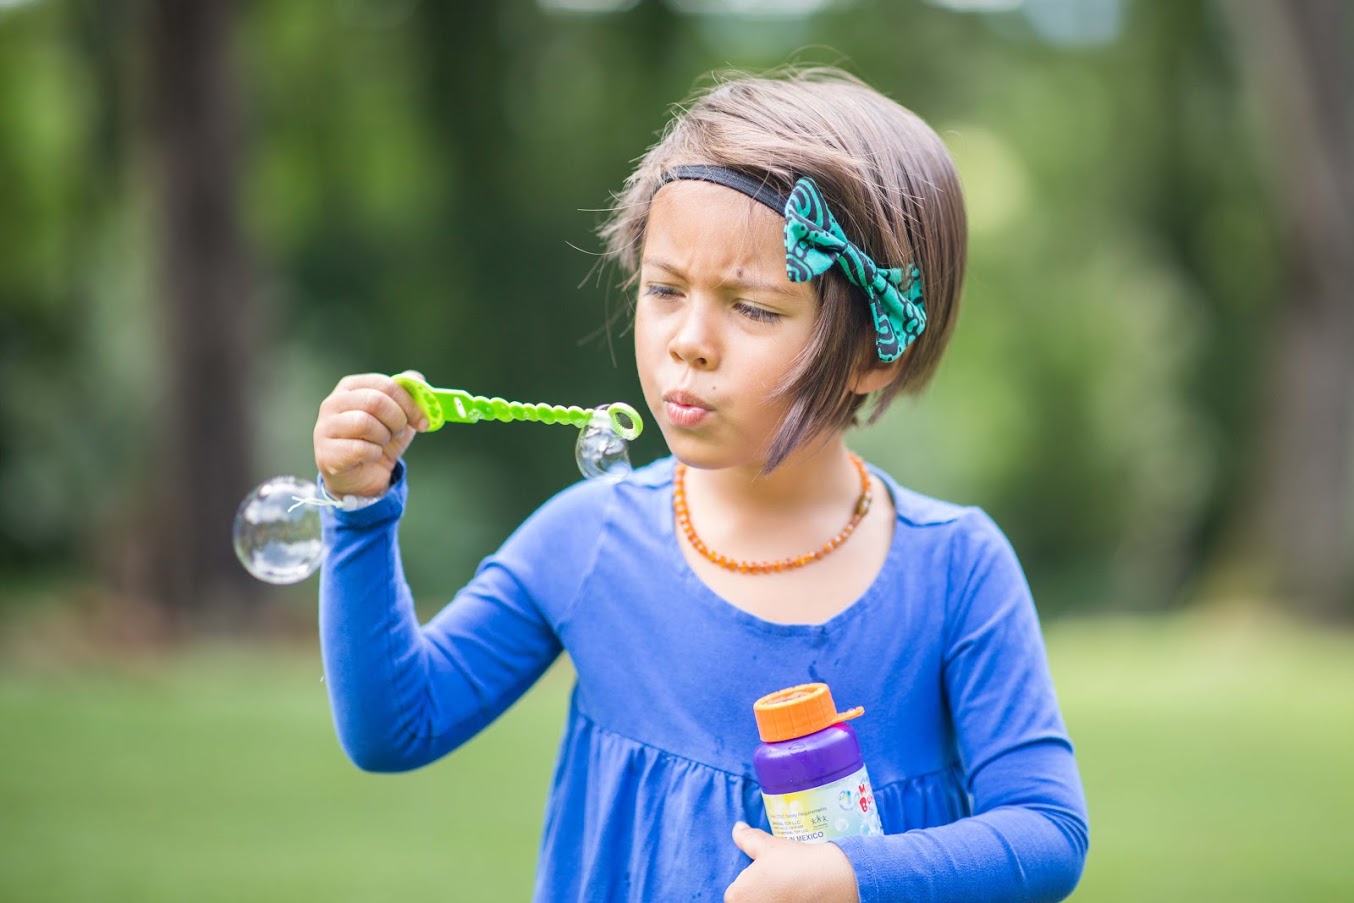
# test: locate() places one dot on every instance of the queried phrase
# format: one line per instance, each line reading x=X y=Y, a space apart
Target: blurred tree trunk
x=1302 y=526
x=207 y=298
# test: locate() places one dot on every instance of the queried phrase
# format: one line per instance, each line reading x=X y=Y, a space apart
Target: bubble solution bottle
x=814 y=782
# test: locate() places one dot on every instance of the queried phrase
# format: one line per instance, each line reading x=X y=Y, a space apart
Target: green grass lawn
x=1218 y=757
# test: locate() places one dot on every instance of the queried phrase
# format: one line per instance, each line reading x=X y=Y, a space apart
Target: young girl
x=797 y=247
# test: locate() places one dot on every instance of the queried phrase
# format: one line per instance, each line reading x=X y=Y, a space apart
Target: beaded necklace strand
x=683 y=515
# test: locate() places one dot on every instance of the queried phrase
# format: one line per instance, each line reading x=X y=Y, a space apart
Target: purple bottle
x=814 y=782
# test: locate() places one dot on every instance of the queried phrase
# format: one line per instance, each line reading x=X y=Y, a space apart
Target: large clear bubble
x=278 y=535
x=601 y=453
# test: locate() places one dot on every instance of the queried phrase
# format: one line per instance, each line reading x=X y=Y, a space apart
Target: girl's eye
x=760 y=314
x=660 y=291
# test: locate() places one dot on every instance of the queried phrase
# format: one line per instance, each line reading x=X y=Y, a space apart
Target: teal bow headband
x=815 y=242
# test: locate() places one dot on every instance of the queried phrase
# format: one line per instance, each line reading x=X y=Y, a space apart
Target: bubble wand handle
x=444 y=406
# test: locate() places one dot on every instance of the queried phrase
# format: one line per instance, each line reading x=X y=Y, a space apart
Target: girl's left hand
x=786 y=871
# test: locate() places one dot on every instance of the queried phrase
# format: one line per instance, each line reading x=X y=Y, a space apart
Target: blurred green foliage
x=420 y=186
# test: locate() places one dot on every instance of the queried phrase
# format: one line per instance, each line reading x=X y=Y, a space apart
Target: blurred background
x=210 y=211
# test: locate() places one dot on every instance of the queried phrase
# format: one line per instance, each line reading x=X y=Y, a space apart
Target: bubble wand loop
x=443 y=406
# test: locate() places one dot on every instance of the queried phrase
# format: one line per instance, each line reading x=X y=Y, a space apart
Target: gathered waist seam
x=598 y=726
x=594 y=724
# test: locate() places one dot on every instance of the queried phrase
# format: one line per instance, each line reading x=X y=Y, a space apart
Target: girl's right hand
x=363 y=428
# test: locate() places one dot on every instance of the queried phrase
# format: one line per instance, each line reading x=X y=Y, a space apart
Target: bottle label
x=843 y=808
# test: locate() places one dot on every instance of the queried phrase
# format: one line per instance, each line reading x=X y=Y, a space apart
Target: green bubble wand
x=443 y=406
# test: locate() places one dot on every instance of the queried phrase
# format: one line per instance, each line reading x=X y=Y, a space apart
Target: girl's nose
x=694 y=342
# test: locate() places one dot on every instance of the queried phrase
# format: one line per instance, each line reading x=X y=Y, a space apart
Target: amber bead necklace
x=766 y=567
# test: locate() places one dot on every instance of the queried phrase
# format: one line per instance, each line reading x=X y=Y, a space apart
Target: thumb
x=752 y=841
x=400 y=442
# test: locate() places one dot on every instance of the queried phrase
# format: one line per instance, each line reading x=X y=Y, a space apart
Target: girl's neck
x=819 y=474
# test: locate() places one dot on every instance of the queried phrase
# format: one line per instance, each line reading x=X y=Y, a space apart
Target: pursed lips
x=685 y=409
x=687 y=400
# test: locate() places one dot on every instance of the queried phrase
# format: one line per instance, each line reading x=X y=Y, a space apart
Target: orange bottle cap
x=798 y=712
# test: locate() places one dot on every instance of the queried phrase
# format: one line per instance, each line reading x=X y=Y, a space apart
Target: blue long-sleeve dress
x=972 y=768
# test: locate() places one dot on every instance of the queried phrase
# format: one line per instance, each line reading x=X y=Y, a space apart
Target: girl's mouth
x=684 y=409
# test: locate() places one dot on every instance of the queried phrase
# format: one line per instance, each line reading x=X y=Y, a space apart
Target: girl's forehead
x=690 y=220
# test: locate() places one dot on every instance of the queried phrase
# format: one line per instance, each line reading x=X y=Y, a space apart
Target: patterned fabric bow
x=814 y=242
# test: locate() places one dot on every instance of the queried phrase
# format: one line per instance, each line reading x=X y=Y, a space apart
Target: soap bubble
x=278 y=538
x=600 y=453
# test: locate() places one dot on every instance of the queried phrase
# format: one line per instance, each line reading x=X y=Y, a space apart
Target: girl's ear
x=874 y=374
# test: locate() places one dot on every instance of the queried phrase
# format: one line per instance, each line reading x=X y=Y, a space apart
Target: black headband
x=753 y=187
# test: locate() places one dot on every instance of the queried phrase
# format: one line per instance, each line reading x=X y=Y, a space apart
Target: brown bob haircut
x=887 y=178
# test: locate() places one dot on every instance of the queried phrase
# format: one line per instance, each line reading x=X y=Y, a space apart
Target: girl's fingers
x=363 y=383
x=379 y=405
x=399 y=443
x=359 y=425
x=338 y=456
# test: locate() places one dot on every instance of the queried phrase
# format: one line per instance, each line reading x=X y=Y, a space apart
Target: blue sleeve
x=1027 y=837
x=403 y=694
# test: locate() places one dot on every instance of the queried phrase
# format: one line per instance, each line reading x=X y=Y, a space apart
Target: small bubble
x=600 y=453
x=278 y=538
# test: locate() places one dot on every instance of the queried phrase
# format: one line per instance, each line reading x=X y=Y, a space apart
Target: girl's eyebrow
x=770 y=288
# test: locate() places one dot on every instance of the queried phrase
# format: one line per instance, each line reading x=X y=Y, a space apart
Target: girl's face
x=718 y=324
